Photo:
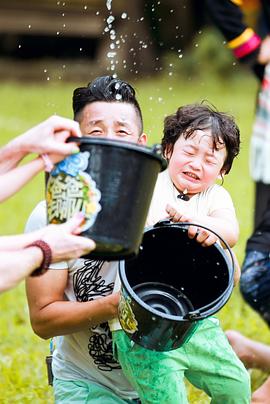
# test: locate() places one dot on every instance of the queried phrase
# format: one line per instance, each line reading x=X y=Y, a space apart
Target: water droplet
x=97 y=13
x=124 y=16
x=118 y=97
x=109 y=4
x=111 y=54
x=110 y=19
x=29 y=26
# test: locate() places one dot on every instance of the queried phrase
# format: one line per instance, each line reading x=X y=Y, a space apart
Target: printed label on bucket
x=126 y=315
x=71 y=190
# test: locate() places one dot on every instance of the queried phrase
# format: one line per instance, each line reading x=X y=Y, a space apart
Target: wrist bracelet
x=47 y=257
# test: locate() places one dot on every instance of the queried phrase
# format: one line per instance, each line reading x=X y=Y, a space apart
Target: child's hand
x=203 y=236
x=176 y=216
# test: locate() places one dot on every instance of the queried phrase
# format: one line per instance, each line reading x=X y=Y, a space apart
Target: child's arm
x=222 y=221
x=237 y=270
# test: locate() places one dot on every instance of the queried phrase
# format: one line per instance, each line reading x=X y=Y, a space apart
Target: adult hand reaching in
x=64 y=240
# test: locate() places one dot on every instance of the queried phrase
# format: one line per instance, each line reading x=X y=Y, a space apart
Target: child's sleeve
x=220 y=199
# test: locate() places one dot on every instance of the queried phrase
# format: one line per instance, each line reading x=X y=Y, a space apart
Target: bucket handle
x=157 y=149
x=196 y=314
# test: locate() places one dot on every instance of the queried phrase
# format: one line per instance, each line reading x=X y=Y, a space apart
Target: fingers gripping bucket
x=112 y=183
x=171 y=285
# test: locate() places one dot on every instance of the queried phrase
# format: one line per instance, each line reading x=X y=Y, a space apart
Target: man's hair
x=105 y=89
x=189 y=118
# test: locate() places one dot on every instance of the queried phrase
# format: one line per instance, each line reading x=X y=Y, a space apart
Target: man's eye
x=123 y=133
x=95 y=132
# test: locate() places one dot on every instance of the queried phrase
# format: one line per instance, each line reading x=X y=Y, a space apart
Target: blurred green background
x=206 y=71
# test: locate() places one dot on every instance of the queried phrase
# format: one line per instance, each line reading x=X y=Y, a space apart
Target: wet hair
x=189 y=118
x=105 y=89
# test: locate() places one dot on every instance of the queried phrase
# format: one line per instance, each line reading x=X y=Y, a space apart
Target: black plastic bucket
x=112 y=183
x=171 y=285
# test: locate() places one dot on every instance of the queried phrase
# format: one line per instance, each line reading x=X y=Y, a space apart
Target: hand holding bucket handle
x=196 y=314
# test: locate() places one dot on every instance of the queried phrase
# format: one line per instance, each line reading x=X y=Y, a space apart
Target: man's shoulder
x=37 y=218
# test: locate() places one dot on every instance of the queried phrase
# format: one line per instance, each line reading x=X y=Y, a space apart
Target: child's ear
x=167 y=154
x=143 y=139
x=221 y=174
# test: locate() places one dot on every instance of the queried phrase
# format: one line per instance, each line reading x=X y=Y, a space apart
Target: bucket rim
x=153 y=152
x=196 y=314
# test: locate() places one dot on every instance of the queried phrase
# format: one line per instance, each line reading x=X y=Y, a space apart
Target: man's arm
x=51 y=314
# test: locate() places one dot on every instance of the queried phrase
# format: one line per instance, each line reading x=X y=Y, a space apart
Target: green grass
x=22 y=366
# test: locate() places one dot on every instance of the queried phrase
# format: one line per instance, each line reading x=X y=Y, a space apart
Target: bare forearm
x=16 y=242
x=11 y=154
x=16 y=266
x=16 y=178
x=65 y=317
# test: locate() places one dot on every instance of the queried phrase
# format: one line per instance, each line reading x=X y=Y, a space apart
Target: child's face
x=193 y=164
x=112 y=120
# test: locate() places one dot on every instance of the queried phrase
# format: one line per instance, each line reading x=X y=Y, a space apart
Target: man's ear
x=143 y=139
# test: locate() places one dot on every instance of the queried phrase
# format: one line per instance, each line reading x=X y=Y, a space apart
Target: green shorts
x=84 y=392
x=206 y=360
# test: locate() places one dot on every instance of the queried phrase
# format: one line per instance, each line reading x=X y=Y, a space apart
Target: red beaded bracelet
x=47 y=257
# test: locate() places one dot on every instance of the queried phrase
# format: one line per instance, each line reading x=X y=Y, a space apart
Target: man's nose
x=111 y=134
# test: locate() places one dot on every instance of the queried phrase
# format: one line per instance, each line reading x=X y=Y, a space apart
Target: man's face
x=112 y=120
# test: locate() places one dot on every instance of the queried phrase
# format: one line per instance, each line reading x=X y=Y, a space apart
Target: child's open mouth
x=191 y=176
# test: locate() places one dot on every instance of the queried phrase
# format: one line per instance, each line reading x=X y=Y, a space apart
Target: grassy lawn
x=22 y=359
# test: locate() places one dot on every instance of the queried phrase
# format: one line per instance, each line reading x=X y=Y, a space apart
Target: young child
x=200 y=145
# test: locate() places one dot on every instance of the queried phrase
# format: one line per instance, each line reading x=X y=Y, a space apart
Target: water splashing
x=109 y=4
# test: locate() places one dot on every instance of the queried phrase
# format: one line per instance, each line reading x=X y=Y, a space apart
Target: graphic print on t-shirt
x=88 y=284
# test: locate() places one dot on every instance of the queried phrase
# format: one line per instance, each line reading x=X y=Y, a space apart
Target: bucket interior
x=168 y=257
x=163 y=298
